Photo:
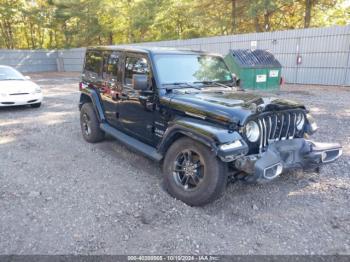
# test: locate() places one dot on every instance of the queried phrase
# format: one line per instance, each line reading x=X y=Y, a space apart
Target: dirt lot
x=61 y=195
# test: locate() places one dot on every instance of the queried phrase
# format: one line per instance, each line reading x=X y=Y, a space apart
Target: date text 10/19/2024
x=173 y=258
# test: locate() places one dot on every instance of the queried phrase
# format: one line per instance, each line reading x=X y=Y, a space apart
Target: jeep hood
x=230 y=107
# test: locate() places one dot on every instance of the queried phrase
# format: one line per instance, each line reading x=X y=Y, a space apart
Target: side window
x=111 y=66
x=93 y=64
x=135 y=65
x=106 y=55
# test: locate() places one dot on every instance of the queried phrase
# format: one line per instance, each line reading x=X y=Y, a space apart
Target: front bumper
x=287 y=154
x=19 y=100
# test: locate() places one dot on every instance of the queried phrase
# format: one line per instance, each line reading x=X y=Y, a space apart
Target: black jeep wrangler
x=182 y=108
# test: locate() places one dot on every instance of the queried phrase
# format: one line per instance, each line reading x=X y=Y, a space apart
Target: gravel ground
x=61 y=195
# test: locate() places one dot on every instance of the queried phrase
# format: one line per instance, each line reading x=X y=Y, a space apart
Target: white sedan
x=16 y=89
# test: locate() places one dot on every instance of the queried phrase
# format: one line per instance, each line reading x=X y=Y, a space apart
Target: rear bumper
x=18 y=100
x=287 y=154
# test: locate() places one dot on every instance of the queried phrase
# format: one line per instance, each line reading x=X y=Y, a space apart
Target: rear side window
x=135 y=65
x=111 y=65
x=93 y=63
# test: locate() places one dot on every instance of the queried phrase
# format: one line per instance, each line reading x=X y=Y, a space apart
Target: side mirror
x=140 y=82
x=234 y=77
x=27 y=77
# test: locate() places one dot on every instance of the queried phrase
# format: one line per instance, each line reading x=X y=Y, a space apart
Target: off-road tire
x=36 y=105
x=94 y=134
x=214 y=179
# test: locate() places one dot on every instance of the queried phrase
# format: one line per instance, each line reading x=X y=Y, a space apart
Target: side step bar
x=131 y=142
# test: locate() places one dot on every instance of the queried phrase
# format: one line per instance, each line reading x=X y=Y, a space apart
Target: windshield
x=191 y=69
x=7 y=73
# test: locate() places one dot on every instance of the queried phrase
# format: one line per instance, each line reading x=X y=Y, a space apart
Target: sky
x=346 y=3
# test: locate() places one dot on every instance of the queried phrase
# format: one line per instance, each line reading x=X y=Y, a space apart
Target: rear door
x=109 y=86
x=92 y=73
x=101 y=72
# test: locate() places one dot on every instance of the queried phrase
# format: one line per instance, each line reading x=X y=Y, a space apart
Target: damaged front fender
x=225 y=143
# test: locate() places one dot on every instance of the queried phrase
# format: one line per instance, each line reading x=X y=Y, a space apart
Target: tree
x=311 y=5
x=8 y=20
x=307 y=17
x=73 y=23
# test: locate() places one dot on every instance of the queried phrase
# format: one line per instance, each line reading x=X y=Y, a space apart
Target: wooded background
x=51 y=24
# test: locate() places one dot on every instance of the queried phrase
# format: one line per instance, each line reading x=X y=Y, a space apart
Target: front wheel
x=193 y=173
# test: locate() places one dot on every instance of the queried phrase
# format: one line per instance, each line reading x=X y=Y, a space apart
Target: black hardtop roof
x=148 y=49
x=254 y=58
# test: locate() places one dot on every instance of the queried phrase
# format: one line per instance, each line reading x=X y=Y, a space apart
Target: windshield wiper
x=212 y=83
x=178 y=85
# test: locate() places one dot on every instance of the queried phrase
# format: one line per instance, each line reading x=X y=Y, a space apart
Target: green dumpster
x=254 y=69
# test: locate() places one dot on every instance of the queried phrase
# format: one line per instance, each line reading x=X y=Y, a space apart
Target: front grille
x=277 y=126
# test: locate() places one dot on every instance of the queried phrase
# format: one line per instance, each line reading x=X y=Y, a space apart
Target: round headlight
x=252 y=131
x=300 y=121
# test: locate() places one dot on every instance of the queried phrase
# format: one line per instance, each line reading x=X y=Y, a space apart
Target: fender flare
x=207 y=133
x=95 y=99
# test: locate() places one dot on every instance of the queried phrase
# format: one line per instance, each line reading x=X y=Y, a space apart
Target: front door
x=136 y=113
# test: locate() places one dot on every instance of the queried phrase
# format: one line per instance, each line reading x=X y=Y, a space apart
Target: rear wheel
x=90 y=125
x=36 y=105
x=193 y=173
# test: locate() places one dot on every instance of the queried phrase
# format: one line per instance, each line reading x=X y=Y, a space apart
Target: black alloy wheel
x=188 y=169
x=193 y=173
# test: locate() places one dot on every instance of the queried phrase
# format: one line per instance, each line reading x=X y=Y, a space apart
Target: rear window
x=111 y=63
x=93 y=62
